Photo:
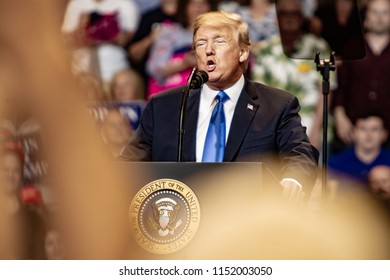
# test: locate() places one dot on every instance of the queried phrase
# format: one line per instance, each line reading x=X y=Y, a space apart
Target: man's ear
x=244 y=54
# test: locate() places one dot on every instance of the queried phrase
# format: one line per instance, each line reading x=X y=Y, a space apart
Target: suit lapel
x=246 y=108
x=190 y=125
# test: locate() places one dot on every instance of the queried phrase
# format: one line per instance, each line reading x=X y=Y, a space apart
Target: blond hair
x=135 y=78
x=220 y=19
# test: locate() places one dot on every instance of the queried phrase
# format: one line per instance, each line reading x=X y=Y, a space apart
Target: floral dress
x=297 y=76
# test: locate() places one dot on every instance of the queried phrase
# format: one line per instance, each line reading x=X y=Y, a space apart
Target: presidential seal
x=164 y=216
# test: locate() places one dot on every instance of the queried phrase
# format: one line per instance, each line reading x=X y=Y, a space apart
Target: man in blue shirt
x=355 y=162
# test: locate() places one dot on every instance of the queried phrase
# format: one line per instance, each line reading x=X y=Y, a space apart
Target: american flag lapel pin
x=249 y=107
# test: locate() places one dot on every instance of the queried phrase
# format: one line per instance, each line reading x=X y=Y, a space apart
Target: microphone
x=198 y=79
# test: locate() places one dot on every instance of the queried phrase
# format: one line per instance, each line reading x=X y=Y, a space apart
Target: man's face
x=124 y=87
x=196 y=8
x=218 y=53
x=378 y=17
x=10 y=172
x=379 y=180
x=369 y=133
x=290 y=17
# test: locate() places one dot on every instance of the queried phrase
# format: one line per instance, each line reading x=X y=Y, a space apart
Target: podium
x=175 y=207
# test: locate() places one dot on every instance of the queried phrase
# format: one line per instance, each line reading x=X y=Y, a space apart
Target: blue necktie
x=214 y=146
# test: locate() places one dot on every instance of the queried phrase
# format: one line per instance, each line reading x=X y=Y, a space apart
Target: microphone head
x=200 y=77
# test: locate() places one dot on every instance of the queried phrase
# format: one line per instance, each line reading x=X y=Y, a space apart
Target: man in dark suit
x=262 y=123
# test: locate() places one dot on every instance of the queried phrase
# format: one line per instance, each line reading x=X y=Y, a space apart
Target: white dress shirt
x=206 y=106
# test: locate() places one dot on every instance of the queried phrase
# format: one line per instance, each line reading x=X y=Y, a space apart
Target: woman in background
x=172 y=59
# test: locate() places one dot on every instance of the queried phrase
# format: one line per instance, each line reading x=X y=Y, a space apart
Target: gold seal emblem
x=164 y=216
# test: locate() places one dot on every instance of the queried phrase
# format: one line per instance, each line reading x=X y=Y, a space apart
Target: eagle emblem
x=164 y=216
x=164 y=220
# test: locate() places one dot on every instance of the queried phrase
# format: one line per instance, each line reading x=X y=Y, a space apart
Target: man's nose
x=210 y=49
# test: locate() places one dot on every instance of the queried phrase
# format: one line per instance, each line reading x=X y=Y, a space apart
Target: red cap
x=29 y=194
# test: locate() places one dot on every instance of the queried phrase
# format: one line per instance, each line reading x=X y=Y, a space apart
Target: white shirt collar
x=233 y=92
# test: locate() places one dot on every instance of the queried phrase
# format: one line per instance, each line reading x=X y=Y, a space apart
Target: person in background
x=93 y=91
x=128 y=95
x=11 y=169
x=81 y=177
x=146 y=6
x=146 y=34
x=338 y=22
x=115 y=131
x=355 y=162
x=230 y=6
x=171 y=58
x=260 y=15
x=261 y=123
x=127 y=85
x=54 y=245
x=98 y=30
x=309 y=7
x=274 y=65
x=364 y=83
x=23 y=205
x=379 y=182
x=12 y=161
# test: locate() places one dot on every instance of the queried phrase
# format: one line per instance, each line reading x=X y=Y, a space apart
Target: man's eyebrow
x=217 y=36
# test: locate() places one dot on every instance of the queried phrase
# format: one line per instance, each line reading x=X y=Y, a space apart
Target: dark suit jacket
x=266 y=125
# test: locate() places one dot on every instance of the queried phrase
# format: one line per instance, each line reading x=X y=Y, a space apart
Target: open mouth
x=210 y=65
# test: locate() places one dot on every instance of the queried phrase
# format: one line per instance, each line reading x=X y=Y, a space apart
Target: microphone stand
x=186 y=91
x=324 y=66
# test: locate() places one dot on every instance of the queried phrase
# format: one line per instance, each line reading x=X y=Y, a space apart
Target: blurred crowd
x=122 y=52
